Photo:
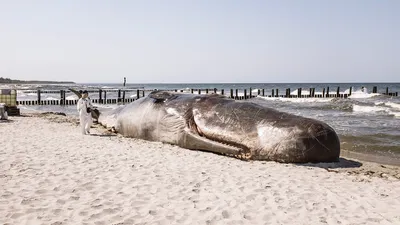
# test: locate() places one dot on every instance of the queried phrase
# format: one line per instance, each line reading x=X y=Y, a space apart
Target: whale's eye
x=159 y=100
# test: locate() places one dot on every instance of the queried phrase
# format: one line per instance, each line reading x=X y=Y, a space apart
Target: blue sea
x=368 y=124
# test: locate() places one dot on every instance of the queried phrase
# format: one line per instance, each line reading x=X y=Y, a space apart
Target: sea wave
x=363 y=95
x=106 y=106
x=375 y=110
x=51 y=98
x=297 y=100
x=393 y=105
x=71 y=97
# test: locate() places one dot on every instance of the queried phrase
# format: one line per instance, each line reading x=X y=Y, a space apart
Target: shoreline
x=370 y=157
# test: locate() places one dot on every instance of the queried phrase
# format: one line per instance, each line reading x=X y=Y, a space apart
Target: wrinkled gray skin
x=218 y=124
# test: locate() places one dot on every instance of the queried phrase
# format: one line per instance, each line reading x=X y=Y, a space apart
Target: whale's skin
x=222 y=125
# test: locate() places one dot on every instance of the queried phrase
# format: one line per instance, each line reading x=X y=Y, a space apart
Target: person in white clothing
x=84 y=107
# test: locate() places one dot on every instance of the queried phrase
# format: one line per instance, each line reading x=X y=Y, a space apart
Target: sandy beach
x=52 y=174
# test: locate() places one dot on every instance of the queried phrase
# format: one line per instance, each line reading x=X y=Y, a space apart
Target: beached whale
x=219 y=124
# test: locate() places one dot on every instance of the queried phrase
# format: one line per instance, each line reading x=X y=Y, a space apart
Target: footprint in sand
x=57 y=223
x=17 y=215
x=56 y=211
x=60 y=201
x=95 y=216
x=98 y=206
x=225 y=214
x=41 y=191
x=29 y=201
x=109 y=211
x=83 y=213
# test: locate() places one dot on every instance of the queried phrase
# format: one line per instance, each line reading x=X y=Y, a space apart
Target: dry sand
x=51 y=174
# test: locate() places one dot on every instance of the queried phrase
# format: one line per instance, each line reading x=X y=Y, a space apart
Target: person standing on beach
x=84 y=107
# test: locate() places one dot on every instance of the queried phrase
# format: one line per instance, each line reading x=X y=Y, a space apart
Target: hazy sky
x=201 y=41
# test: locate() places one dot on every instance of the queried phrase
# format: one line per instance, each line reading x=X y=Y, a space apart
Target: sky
x=200 y=41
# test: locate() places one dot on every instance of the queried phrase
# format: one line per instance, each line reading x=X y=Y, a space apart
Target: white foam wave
x=347 y=91
x=395 y=114
x=379 y=103
x=375 y=110
x=105 y=106
x=303 y=92
x=359 y=94
x=369 y=109
x=51 y=98
x=393 y=105
x=296 y=100
x=71 y=97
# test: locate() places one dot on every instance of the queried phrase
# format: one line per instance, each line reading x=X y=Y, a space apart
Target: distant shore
x=11 y=81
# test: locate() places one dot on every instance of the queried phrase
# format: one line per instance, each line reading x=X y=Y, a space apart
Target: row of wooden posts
x=234 y=94
x=101 y=100
x=275 y=93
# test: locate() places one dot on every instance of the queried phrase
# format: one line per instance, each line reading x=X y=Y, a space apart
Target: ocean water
x=366 y=123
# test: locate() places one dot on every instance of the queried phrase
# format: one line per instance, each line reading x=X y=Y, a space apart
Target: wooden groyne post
x=62 y=97
x=287 y=93
x=38 y=96
x=100 y=96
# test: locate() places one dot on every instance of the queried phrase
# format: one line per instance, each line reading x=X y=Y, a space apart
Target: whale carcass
x=222 y=125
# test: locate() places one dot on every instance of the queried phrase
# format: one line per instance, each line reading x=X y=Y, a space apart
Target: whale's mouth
x=202 y=141
x=199 y=132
